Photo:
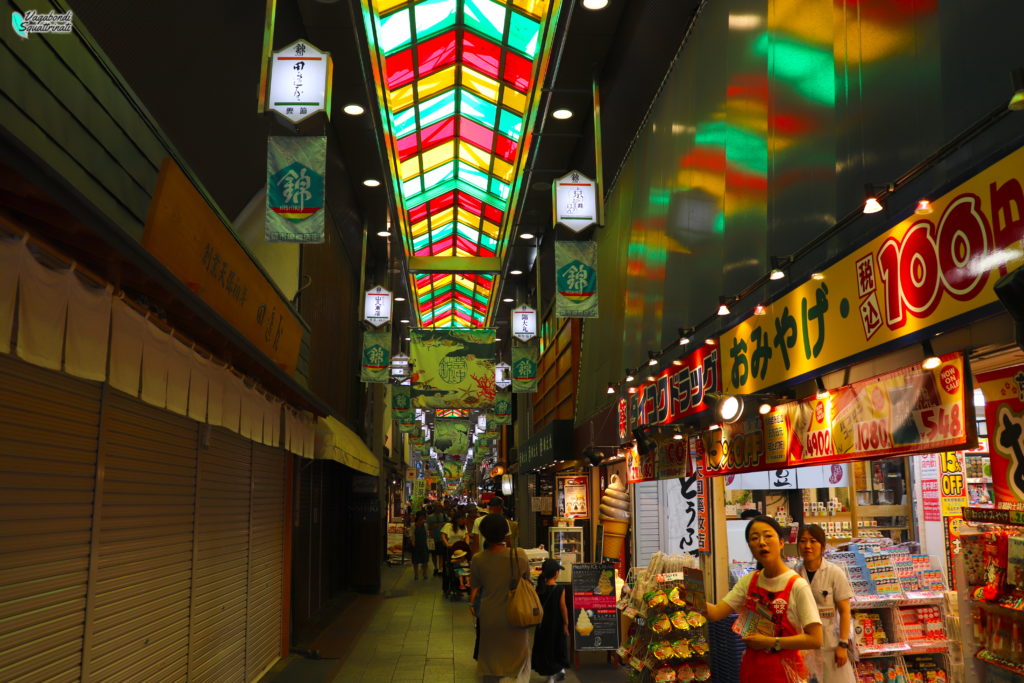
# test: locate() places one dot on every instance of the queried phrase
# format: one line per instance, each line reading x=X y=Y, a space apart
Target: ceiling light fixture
x=371 y=182
x=629 y=375
x=526 y=235
x=677 y=362
x=778 y=268
x=562 y=114
x=817 y=276
x=653 y=355
x=764 y=408
x=871 y=203
x=677 y=437
x=399 y=298
x=924 y=207
x=383 y=233
x=822 y=391
x=723 y=305
x=353 y=109
x=515 y=272
x=684 y=335
x=508 y=300
x=404 y=321
x=730 y=408
x=710 y=341
x=1017 y=99
x=595 y=4
x=760 y=309
x=611 y=388
x=652 y=378
x=931 y=361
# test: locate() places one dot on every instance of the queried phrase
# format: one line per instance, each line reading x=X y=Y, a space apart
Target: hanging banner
x=452 y=469
x=953 y=483
x=401 y=403
x=524 y=368
x=931 y=508
x=1004 y=413
x=453 y=368
x=502 y=412
x=678 y=391
x=295 y=189
x=687 y=508
x=408 y=426
x=923 y=271
x=576 y=279
x=907 y=411
x=376 y=357
x=640 y=467
x=451 y=437
x=740 y=447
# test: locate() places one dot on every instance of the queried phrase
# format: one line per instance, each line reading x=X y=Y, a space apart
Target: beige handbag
x=523 y=608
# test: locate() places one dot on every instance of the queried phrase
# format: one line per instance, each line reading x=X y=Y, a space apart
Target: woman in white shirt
x=832 y=593
x=780 y=608
x=455 y=530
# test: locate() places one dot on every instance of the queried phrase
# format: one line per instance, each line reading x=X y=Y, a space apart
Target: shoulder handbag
x=523 y=608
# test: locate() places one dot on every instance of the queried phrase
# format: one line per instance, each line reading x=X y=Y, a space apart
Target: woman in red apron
x=777 y=613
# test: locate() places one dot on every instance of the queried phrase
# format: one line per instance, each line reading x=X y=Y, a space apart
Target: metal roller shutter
x=142 y=586
x=263 y=614
x=647 y=533
x=217 y=638
x=50 y=428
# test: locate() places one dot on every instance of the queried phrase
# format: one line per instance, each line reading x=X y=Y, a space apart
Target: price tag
x=636 y=664
x=630 y=611
x=622 y=652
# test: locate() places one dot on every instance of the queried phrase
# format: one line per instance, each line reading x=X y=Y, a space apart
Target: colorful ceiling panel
x=457 y=81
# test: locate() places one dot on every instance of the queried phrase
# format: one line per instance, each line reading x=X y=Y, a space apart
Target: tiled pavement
x=415 y=635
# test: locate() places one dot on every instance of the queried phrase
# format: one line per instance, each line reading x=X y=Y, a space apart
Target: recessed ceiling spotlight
x=515 y=272
x=383 y=233
x=353 y=109
x=526 y=235
x=371 y=182
x=399 y=298
x=508 y=299
x=497 y=339
x=562 y=114
x=408 y=339
x=404 y=321
x=595 y=4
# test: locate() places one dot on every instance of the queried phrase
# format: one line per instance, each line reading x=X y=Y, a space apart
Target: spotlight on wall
x=629 y=375
x=730 y=408
x=931 y=361
x=611 y=388
x=677 y=437
x=760 y=309
x=779 y=265
x=723 y=305
x=764 y=408
x=653 y=358
x=871 y=203
x=924 y=207
x=1017 y=99
x=822 y=391
x=684 y=335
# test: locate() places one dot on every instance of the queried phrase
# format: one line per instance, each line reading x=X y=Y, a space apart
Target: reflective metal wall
x=772 y=120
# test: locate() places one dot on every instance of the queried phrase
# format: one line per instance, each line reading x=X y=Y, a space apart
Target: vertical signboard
x=1004 y=413
x=594 y=616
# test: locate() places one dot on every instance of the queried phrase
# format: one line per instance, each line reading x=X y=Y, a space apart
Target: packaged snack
x=664 y=674
x=696 y=619
x=701 y=671
x=679 y=621
x=973 y=550
x=1015 y=563
x=656 y=599
x=700 y=647
x=995 y=564
x=682 y=649
x=661 y=650
x=660 y=624
x=684 y=673
x=675 y=596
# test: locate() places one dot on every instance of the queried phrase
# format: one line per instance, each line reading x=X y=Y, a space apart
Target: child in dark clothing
x=551 y=641
x=420 y=554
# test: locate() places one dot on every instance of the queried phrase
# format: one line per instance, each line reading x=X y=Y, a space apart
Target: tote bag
x=523 y=608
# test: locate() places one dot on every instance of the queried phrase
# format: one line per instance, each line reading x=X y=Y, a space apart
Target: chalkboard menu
x=594 y=616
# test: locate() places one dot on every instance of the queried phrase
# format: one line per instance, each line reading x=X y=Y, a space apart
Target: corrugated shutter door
x=142 y=587
x=49 y=424
x=646 y=521
x=263 y=627
x=219 y=584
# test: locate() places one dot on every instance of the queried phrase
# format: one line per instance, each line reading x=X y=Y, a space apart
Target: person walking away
x=504 y=649
x=473 y=538
x=832 y=592
x=550 y=655
x=420 y=552
x=436 y=520
x=777 y=607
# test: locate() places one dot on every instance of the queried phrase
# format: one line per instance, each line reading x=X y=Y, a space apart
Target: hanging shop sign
x=377 y=306
x=740 y=447
x=524 y=323
x=300 y=81
x=677 y=392
x=401 y=403
x=907 y=411
x=594 y=613
x=296 y=171
x=503 y=375
x=574 y=201
x=686 y=506
x=376 y=358
x=576 y=279
x=552 y=442
x=931 y=508
x=453 y=368
x=1004 y=413
x=451 y=437
x=524 y=368
x=572 y=497
x=184 y=234
x=925 y=270
x=641 y=466
x=501 y=414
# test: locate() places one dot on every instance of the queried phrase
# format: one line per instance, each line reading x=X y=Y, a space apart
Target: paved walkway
x=413 y=635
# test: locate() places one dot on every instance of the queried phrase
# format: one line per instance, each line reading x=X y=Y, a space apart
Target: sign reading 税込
x=925 y=270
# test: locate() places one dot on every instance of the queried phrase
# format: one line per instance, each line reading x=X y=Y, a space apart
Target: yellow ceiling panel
x=480 y=84
x=435 y=83
x=441 y=154
x=503 y=169
x=401 y=98
x=475 y=156
x=513 y=99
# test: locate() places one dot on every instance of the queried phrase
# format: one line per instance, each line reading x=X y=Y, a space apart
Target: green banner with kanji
x=295 y=189
x=576 y=279
x=524 y=368
x=501 y=414
x=453 y=368
x=401 y=403
x=452 y=469
x=451 y=437
x=376 y=359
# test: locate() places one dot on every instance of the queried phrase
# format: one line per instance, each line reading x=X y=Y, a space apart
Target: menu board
x=595 y=618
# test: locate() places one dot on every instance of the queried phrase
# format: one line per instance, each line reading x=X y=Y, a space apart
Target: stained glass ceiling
x=456 y=80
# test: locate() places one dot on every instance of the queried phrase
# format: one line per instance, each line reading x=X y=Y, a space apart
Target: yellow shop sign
x=923 y=271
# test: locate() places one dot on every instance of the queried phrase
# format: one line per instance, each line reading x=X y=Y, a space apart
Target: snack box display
x=880 y=670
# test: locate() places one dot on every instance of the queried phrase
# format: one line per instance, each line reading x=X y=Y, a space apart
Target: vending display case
x=566 y=545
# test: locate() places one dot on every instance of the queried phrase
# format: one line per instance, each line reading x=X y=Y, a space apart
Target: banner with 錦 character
x=451 y=437
x=1004 y=413
x=376 y=359
x=501 y=414
x=576 y=279
x=524 y=368
x=453 y=368
x=295 y=189
x=401 y=403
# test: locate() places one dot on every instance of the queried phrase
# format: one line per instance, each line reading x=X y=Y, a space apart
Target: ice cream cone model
x=583 y=624
x=605 y=586
x=614 y=511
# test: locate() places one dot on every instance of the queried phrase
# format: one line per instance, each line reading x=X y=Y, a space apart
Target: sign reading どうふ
x=924 y=270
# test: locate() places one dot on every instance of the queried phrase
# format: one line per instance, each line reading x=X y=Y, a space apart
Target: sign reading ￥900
x=300 y=78
x=925 y=270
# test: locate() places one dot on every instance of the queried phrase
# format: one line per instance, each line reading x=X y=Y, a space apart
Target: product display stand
x=667 y=636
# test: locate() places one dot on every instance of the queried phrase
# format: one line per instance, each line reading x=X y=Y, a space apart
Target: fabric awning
x=335 y=441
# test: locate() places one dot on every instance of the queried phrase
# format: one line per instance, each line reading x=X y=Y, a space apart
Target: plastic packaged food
x=684 y=673
x=696 y=619
x=701 y=671
x=660 y=624
x=665 y=674
x=679 y=621
x=661 y=650
x=656 y=599
x=675 y=596
x=682 y=649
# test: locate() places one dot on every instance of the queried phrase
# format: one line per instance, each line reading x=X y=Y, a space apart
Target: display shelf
x=885 y=650
x=883 y=511
x=992 y=658
x=979 y=480
x=937 y=647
